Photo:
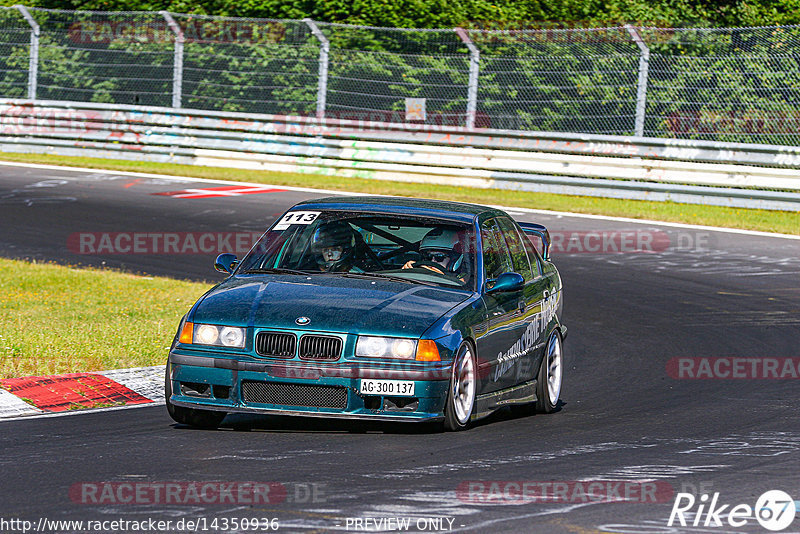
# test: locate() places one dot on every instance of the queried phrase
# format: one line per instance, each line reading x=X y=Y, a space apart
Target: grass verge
x=56 y=319
x=763 y=220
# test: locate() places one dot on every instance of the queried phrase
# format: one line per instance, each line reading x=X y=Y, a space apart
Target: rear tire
x=461 y=390
x=189 y=416
x=551 y=371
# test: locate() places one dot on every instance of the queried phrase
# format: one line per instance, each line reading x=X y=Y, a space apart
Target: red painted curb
x=222 y=191
x=72 y=391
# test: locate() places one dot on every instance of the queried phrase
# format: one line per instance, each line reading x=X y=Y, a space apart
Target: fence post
x=324 y=52
x=33 y=64
x=474 y=69
x=177 y=65
x=641 y=86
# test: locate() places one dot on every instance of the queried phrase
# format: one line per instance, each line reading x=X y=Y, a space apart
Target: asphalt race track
x=627 y=416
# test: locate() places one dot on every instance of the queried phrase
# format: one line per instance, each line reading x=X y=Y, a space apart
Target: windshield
x=410 y=249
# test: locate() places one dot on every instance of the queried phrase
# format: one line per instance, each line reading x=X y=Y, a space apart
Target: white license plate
x=401 y=388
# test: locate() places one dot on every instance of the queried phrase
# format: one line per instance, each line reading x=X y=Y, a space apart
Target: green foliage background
x=449 y=13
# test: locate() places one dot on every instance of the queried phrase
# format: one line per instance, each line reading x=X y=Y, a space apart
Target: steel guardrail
x=746 y=175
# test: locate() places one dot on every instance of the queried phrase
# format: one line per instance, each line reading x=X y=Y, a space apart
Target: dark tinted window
x=533 y=253
x=431 y=251
x=496 y=260
x=519 y=256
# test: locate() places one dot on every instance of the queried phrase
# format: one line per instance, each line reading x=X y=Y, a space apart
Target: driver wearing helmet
x=334 y=244
x=441 y=252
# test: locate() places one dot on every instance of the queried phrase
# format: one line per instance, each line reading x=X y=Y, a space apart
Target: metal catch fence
x=723 y=84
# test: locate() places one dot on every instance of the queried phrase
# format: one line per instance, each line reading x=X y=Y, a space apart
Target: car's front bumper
x=226 y=375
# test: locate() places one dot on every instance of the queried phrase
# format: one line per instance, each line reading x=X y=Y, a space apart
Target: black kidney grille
x=276 y=344
x=295 y=395
x=314 y=347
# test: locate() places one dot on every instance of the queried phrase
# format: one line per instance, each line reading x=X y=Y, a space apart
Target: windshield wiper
x=277 y=270
x=388 y=277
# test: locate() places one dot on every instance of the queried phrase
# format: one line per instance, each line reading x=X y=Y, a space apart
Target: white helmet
x=442 y=246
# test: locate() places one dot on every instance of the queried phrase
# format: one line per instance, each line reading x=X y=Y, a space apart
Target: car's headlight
x=386 y=347
x=210 y=334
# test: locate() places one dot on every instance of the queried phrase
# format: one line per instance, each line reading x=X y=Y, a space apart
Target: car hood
x=332 y=303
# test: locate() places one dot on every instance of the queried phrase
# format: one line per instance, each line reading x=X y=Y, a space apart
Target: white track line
x=343 y=193
x=659 y=223
x=178 y=179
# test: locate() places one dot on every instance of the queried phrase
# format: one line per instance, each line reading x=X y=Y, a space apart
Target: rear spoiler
x=539 y=236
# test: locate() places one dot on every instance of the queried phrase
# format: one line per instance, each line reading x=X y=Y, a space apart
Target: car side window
x=518 y=255
x=496 y=259
x=533 y=255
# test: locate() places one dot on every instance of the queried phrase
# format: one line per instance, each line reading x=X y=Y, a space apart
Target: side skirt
x=489 y=402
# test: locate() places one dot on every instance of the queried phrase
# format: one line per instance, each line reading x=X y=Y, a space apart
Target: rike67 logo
x=774 y=510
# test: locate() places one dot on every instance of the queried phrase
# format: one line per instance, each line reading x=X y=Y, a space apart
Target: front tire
x=461 y=390
x=189 y=416
x=551 y=371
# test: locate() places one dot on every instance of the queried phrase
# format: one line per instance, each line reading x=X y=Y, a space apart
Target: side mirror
x=226 y=263
x=506 y=283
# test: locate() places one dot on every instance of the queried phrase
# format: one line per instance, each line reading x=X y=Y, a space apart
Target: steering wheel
x=428 y=266
x=341 y=266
